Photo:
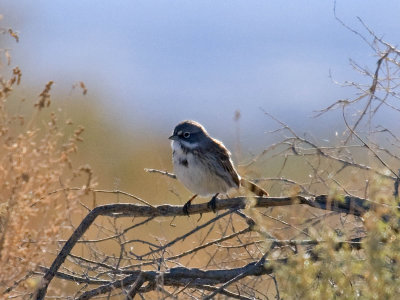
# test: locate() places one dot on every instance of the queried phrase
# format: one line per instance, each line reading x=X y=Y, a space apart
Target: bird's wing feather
x=223 y=158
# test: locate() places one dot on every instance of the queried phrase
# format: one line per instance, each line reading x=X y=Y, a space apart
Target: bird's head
x=189 y=134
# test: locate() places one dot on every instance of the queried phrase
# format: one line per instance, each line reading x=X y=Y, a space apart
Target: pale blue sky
x=159 y=62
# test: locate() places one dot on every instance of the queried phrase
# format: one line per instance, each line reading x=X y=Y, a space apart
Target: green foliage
x=328 y=271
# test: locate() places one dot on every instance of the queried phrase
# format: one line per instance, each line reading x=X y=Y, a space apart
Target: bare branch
x=351 y=205
x=189 y=277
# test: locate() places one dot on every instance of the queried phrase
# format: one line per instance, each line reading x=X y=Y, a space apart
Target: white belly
x=196 y=176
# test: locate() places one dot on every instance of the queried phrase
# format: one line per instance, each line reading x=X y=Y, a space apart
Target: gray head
x=190 y=134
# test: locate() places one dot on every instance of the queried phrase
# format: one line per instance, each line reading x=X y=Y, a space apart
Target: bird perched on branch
x=204 y=165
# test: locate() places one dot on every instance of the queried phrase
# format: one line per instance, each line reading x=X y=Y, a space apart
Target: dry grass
x=35 y=159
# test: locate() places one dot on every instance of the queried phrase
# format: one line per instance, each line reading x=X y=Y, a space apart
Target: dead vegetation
x=35 y=159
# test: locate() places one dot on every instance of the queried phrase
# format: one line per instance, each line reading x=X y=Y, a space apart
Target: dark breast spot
x=184 y=162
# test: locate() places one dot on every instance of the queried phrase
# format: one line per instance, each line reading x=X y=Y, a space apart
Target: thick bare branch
x=351 y=205
x=188 y=277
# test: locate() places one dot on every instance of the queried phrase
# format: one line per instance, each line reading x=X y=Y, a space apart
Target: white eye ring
x=186 y=135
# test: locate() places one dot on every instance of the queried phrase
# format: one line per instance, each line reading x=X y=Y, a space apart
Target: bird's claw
x=213 y=204
x=186 y=208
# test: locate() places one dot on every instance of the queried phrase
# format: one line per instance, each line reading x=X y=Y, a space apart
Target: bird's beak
x=173 y=137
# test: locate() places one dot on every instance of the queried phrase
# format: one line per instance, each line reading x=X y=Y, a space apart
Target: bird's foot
x=186 y=207
x=213 y=203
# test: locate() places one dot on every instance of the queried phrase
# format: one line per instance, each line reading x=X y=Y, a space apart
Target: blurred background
x=147 y=65
x=129 y=71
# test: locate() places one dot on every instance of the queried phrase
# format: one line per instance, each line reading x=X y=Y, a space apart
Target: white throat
x=176 y=145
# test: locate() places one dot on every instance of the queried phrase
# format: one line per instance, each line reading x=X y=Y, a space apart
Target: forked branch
x=346 y=204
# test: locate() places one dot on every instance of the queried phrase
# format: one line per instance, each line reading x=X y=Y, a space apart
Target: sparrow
x=204 y=165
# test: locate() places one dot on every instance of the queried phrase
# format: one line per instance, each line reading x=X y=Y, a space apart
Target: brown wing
x=223 y=159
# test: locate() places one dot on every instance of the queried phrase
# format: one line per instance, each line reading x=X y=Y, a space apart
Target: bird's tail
x=254 y=188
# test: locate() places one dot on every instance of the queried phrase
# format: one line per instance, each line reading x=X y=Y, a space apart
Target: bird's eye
x=186 y=135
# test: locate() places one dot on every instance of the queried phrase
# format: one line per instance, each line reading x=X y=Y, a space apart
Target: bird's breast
x=195 y=172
